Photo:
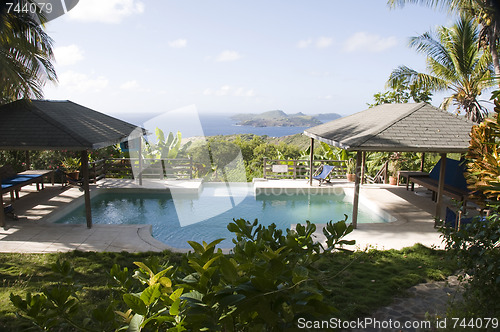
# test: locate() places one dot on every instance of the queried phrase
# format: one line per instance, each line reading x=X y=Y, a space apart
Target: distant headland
x=279 y=118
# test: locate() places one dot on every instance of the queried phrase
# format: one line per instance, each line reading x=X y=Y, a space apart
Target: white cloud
x=223 y=91
x=304 y=43
x=68 y=55
x=108 y=11
x=228 y=56
x=178 y=43
x=241 y=92
x=324 y=42
x=79 y=82
x=362 y=41
x=130 y=85
x=227 y=90
x=320 y=42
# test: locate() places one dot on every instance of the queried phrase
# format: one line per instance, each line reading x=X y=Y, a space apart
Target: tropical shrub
x=476 y=246
x=483 y=159
x=267 y=282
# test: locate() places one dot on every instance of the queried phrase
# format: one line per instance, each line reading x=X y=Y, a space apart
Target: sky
x=233 y=56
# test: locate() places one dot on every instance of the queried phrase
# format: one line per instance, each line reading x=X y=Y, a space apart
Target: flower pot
x=351 y=177
x=73 y=175
x=393 y=180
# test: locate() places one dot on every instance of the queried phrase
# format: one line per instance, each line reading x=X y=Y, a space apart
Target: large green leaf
x=135 y=303
x=151 y=294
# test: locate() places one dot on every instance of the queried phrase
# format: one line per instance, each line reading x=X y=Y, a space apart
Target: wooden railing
x=148 y=168
x=97 y=170
x=300 y=169
x=381 y=176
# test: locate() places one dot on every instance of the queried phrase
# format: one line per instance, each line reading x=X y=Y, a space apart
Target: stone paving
x=424 y=302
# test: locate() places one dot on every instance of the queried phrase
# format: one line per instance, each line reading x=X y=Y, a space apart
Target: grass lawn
x=358 y=283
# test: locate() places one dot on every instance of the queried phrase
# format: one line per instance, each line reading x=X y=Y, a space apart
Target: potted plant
x=394 y=168
x=72 y=167
x=350 y=170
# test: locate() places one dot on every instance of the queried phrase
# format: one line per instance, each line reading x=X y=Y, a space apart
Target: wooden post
x=190 y=167
x=28 y=161
x=140 y=161
x=442 y=174
x=94 y=173
x=422 y=162
x=311 y=162
x=355 y=203
x=386 y=172
x=85 y=172
x=363 y=166
x=264 y=164
x=294 y=169
x=2 y=214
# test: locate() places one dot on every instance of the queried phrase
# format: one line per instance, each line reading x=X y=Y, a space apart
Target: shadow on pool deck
x=31 y=233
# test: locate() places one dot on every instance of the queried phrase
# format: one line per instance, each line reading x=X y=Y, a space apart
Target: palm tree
x=25 y=55
x=486 y=12
x=455 y=63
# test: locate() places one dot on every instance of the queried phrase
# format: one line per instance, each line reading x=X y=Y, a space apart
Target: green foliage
x=350 y=166
x=483 y=160
x=58 y=305
x=357 y=283
x=166 y=147
x=476 y=247
x=50 y=159
x=402 y=92
x=71 y=164
x=214 y=154
x=26 y=54
x=455 y=63
x=267 y=283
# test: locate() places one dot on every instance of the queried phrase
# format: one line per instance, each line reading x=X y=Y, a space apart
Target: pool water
x=177 y=219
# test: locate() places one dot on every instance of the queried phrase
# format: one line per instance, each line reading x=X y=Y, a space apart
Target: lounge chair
x=323 y=173
x=455 y=220
x=455 y=185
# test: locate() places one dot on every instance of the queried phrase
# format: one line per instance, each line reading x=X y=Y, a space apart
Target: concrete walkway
x=32 y=233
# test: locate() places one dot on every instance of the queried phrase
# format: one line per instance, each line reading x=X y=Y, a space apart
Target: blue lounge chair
x=454 y=221
x=324 y=173
x=455 y=185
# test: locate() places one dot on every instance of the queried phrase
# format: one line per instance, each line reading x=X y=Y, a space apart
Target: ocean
x=208 y=125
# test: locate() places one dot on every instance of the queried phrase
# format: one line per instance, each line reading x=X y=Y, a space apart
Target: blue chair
x=325 y=171
x=454 y=175
x=451 y=219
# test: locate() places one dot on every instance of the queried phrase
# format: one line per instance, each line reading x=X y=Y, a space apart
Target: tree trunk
x=493 y=33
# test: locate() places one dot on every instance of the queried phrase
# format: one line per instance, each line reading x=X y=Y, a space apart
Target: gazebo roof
x=397 y=127
x=59 y=125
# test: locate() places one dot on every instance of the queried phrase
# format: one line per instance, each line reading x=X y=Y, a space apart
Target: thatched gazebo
x=406 y=127
x=61 y=125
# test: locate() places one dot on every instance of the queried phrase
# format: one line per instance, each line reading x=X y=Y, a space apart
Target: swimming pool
x=178 y=218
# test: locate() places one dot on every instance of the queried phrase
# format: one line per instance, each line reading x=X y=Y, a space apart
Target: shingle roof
x=397 y=127
x=59 y=125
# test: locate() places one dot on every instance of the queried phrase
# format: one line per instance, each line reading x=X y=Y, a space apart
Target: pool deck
x=34 y=233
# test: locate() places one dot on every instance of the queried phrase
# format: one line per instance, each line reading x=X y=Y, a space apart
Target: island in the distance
x=279 y=118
